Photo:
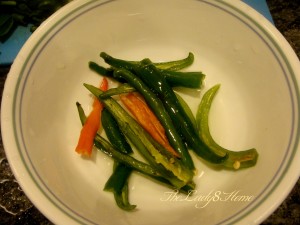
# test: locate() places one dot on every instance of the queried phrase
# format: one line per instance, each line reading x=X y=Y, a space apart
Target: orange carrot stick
x=91 y=125
x=147 y=119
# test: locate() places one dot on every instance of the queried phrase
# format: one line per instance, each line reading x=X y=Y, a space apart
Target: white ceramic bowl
x=257 y=106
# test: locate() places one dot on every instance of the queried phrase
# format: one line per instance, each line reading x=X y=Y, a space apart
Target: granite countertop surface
x=16 y=208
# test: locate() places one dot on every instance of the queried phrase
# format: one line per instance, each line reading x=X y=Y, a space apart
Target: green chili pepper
x=174 y=78
x=105 y=147
x=154 y=79
x=139 y=166
x=118 y=181
x=159 y=110
x=81 y=113
x=122 y=198
x=235 y=160
x=118 y=63
x=107 y=72
x=109 y=150
x=122 y=89
x=129 y=65
x=183 y=79
x=187 y=110
x=118 y=184
x=168 y=165
x=113 y=133
x=177 y=64
x=150 y=75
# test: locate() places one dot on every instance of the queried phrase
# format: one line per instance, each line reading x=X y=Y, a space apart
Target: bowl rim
x=16 y=162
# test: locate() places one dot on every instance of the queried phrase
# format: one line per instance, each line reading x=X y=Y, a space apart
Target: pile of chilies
x=154 y=120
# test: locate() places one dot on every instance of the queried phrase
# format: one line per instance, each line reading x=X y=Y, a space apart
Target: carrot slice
x=135 y=103
x=91 y=126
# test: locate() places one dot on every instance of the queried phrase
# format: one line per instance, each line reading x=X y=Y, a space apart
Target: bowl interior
x=254 y=107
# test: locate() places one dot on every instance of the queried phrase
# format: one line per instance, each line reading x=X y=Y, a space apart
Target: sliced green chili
x=109 y=150
x=166 y=164
x=118 y=181
x=183 y=79
x=106 y=147
x=113 y=132
x=118 y=63
x=177 y=64
x=187 y=110
x=122 y=89
x=170 y=65
x=153 y=77
x=235 y=160
x=107 y=72
x=168 y=69
x=148 y=73
x=118 y=184
x=159 y=110
x=122 y=199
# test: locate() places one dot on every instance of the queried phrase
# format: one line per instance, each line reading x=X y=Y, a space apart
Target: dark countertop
x=286 y=15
